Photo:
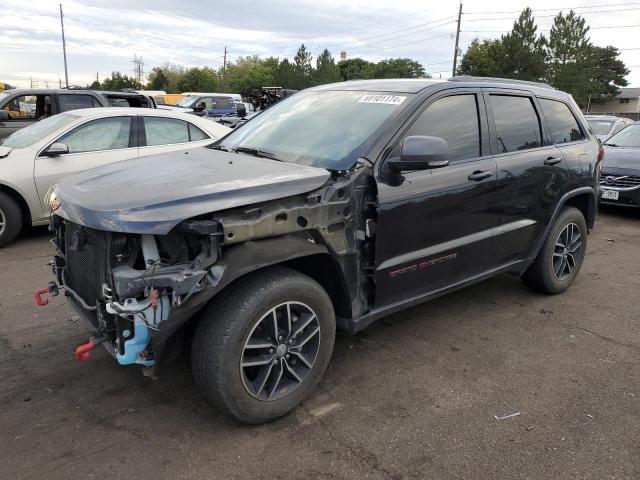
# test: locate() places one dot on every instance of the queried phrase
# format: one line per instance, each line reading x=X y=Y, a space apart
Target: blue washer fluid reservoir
x=135 y=346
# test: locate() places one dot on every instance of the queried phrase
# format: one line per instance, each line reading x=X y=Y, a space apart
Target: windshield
x=186 y=102
x=600 y=127
x=27 y=136
x=627 y=137
x=328 y=129
x=4 y=94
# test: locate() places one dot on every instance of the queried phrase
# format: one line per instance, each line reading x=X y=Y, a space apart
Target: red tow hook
x=53 y=288
x=82 y=352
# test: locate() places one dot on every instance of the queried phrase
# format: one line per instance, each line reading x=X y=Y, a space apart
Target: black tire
x=542 y=275
x=11 y=216
x=230 y=320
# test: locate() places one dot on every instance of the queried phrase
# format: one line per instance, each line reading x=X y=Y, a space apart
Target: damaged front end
x=128 y=286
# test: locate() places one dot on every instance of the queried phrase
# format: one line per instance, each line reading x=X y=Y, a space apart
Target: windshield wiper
x=611 y=145
x=258 y=153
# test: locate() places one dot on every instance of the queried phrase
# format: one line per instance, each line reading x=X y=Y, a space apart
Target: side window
x=165 y=131
x=454 y=119
x=74 y=102
x=563 y=126
x=102 y=134
x=29 y=107
x=222 y=102
x=517 y=123
x=208 y=102
x=195 y=134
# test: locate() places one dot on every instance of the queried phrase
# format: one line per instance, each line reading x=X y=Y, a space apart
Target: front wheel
x=560 y=258
x=263 y=345
x=10 y=219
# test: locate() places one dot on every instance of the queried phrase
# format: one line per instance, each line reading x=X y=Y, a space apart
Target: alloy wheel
x=566 y=252
x=3 y=222
x=280 y=351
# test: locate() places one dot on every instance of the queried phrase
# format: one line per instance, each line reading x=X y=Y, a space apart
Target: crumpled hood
x=621 y=160
x=151 y=195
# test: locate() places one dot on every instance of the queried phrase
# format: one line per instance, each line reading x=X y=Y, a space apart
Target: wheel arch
x=294 y=252
x=584 y=199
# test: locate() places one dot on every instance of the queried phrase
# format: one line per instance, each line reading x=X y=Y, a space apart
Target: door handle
x=550 y=161
x=480 y=175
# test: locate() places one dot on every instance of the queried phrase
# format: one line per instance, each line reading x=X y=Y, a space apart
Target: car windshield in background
x=600 y=127
x=186 y=102
x=26 y=137
x=326 y=129
x=628 y=137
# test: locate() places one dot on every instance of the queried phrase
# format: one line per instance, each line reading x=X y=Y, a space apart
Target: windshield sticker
x=386 y=99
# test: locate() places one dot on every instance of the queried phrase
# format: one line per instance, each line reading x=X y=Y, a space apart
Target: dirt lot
x=415 y=396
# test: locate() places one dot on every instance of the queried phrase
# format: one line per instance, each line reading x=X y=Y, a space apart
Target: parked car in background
x=20 y=108
x=332 y=208
x=33 y=158
x=606 y=125
x=211 y=105
x=620 y=177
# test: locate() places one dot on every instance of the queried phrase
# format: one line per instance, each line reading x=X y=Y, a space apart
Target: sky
x=103 y=36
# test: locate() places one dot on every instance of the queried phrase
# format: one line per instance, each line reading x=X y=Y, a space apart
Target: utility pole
x=224 y=66
x=455 y=53
x=64 y=50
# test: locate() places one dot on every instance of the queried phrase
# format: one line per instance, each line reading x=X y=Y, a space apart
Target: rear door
x=91 y=144
x=434 y=226
x=166 y=134
x=531 y=173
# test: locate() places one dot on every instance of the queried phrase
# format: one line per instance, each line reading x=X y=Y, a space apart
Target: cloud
x=104 y=36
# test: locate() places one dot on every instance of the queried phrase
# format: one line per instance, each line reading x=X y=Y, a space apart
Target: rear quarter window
x=563 y=126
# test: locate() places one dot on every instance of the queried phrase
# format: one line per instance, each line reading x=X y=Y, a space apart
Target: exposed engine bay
x=136 y=290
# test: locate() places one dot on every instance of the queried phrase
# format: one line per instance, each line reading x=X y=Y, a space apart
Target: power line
x=557 y=8
x=547 y=16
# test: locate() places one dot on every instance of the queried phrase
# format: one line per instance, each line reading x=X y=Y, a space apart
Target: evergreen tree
x=523 y=50
x=326 y=69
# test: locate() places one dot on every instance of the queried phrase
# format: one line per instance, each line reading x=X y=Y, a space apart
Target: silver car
x=604 y=126
x=34 y=158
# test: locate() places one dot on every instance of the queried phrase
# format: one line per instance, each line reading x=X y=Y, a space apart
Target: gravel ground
x=414 y=396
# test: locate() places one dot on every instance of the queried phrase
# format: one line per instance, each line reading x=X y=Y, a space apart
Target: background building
x=625 y=104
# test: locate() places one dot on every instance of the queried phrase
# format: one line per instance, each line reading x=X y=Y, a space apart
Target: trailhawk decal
x=419 y=266
x=386 y=99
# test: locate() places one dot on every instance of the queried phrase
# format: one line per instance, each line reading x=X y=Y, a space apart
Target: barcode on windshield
x=387 y=99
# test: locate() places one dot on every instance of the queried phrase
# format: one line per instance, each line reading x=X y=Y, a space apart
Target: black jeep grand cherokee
x=333 y=208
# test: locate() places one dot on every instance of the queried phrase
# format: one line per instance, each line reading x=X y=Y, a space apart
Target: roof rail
x=470 y=78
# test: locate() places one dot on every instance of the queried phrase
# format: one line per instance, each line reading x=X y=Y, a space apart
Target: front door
x=434 y=227
x=92 y=144
x=531 y=172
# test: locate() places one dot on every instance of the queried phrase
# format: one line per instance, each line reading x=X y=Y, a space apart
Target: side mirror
x=421 y=152
x=4 y=116
x=56 y=149
x=200 y=107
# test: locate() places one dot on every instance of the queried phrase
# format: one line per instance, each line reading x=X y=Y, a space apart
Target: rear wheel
x=10 y=219
x=560 y=258
x=262 y=347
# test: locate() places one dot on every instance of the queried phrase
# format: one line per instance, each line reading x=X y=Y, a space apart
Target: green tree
x=523 y=50
x=482 y=59
x=248 y=74
x=397 y=68
x=303 y=69
x=118 y=81
x=203 y=79
x=285 y=75
x=578 y=67
x=326 y=69
x=158 y=79
x=354 y=69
